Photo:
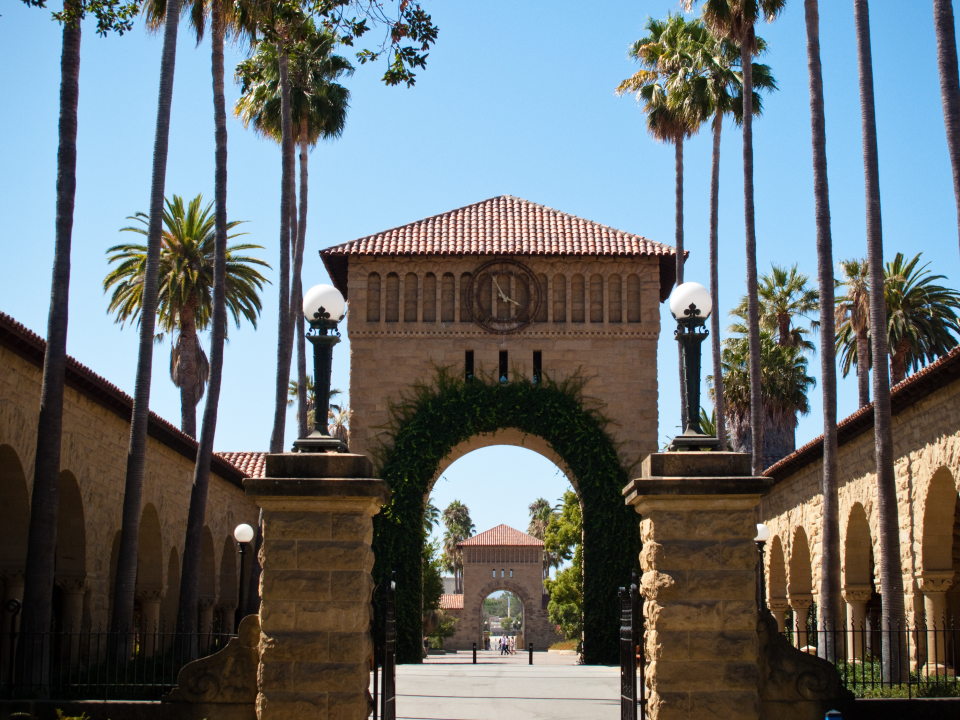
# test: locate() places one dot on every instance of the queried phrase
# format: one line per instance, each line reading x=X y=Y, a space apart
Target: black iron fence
x=95 y=664
x=385 y=653
x=633 y=702
x=912 y=661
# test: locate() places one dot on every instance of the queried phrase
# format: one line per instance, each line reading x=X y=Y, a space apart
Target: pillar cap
x=318 y=465
x=317 y=488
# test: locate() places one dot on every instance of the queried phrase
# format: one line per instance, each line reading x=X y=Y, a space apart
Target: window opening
x=511 y=572
x=537 y=365
x=468 y=366
x=503 y=366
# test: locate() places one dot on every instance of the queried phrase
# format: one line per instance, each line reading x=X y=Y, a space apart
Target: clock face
x=503 y=296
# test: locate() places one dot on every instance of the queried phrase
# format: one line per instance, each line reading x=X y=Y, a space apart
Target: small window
x=511 y=572
x=541 y=316
x=494 y=573
x=373 y=297
x=577 y=299
x=501 y=572
x=468 y=366
x=537 y=365
x=503 y=366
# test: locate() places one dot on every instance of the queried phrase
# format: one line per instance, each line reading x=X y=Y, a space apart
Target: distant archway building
x=501 y=558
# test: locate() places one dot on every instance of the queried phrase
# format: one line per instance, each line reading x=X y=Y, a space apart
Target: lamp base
x=316 y=443
x=693 y=441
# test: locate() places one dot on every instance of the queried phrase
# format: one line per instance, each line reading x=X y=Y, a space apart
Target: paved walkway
x=451 y=687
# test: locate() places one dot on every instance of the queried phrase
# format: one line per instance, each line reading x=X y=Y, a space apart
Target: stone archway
x=800 y=585
x=536 y=624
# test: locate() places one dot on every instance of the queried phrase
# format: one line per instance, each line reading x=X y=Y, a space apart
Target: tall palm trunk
x=898 y=362
x=949 y=86
x=830 y=615
x=863 y=367
x=45 y=501
x=718 y=403
x=753 y=308
x=187 y=370
x=678 y=241
x=298 y=286
x=126 y=578
x=196 y=516
x=283 y=325
x=894 y=653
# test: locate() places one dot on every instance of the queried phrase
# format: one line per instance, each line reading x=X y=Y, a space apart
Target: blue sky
x=516 y=98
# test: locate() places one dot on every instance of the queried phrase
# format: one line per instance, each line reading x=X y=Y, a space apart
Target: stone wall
x=620 y=356
x=94 y=453
x=926 y=436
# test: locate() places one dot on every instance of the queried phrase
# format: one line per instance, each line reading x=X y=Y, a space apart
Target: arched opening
x=858 y=586
x=777 y=583
x=149 y=591
x=443 y=421
x=937 y=563
x=502 y=622
x=207 y=599
x=799 y=588
x=228 y=585
x=71 y=562
x=171 y=598
x=15 y=521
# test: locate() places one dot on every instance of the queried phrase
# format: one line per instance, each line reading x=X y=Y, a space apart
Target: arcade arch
x=777 y=575
x=15 y=521
x=799 y=587
x=71 y=559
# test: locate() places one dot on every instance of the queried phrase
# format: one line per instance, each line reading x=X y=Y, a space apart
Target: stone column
x=227 y=614
x=316 y=585
x=71 y=616
x=856 y=597
x=800 y=602
x=13 y=590
x=778 y=608
x=150 y=620
x=934 y=586
x=699 y=584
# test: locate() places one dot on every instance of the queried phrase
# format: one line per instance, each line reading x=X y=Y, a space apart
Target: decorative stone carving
x=778 y=607
x=936 y=581
x=857 y=593
x=229 y=676
x=793 y=684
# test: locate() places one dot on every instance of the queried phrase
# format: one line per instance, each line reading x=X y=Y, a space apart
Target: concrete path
x=451 y=687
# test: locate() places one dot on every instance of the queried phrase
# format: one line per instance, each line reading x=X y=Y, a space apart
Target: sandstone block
x=725 y=705
x=280 y=554
x=311 y=585
x=690 y=615
x=277 y=616
x=293 y=525
x=350 y=647
x=334 y=555
x=333 y=616
x=297 y=646
x=354 y=528
x=731 y=646
x=282 y=705
x=721 y=584
x=347 y=585
x=348 y=706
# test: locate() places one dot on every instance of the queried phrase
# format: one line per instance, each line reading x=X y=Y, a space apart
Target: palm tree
x=921 y=316
x=666 y=55
x=830 y=602
x=853 y=324
x=891 y=580
x=735 y=19
x=540 y=513
x=44 y=506
x=431 y=516
x=943 y=24
x=784 y=384
x=126 y=575
x=318 y=110
x=784 y=296
x=459 y=526
x=186 y=303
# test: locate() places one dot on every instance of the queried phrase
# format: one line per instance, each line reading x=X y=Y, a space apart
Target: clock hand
x=502 y=295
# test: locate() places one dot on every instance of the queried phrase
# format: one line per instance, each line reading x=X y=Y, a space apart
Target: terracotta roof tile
x=914 y=388
x=503 y=225
x=451 y=602
x=501 y=535
x=251 y=464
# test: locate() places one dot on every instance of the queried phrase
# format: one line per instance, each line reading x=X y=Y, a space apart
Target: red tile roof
x=251 y=464
x=503 y=225
x=911 y=390
x=30 y=346
x=451 y=602
x=501 y=535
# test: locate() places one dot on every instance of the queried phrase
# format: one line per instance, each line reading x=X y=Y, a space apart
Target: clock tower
x=505 y=287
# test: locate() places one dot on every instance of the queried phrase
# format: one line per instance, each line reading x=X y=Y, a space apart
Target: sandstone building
x=926 y=437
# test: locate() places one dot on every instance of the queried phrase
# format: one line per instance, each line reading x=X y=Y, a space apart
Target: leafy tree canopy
x=112 y=16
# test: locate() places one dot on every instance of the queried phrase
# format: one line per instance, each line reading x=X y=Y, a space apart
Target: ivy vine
x=429 y=420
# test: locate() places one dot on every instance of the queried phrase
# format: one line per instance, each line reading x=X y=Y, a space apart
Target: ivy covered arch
x=434 y=418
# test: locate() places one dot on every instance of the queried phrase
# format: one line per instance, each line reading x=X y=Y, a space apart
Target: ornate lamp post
x=690 y=305
x=243 y=534
x=323 y=308
x=763 y=534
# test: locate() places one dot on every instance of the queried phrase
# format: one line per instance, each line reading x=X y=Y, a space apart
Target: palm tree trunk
x=718 y=402
x=753 y=308
x=898 y=362
x=126 y=577
x=894 y=654
x=45 y=502
x=830 y=616
x=298 y=286
x=187 y=371
x=283 y=329
x=196 y=516
x=949 y=86
x=678 y=241
x=863 y=368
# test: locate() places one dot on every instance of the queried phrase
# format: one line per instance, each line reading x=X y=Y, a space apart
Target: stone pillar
x=856 y=597
x=13 y=590
x=778 y=608
x=934 y=586
x=150 y=620
x=800 y=602
x=71 y=616
x=699 y=584
x=316 y=585
x=227 y=615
